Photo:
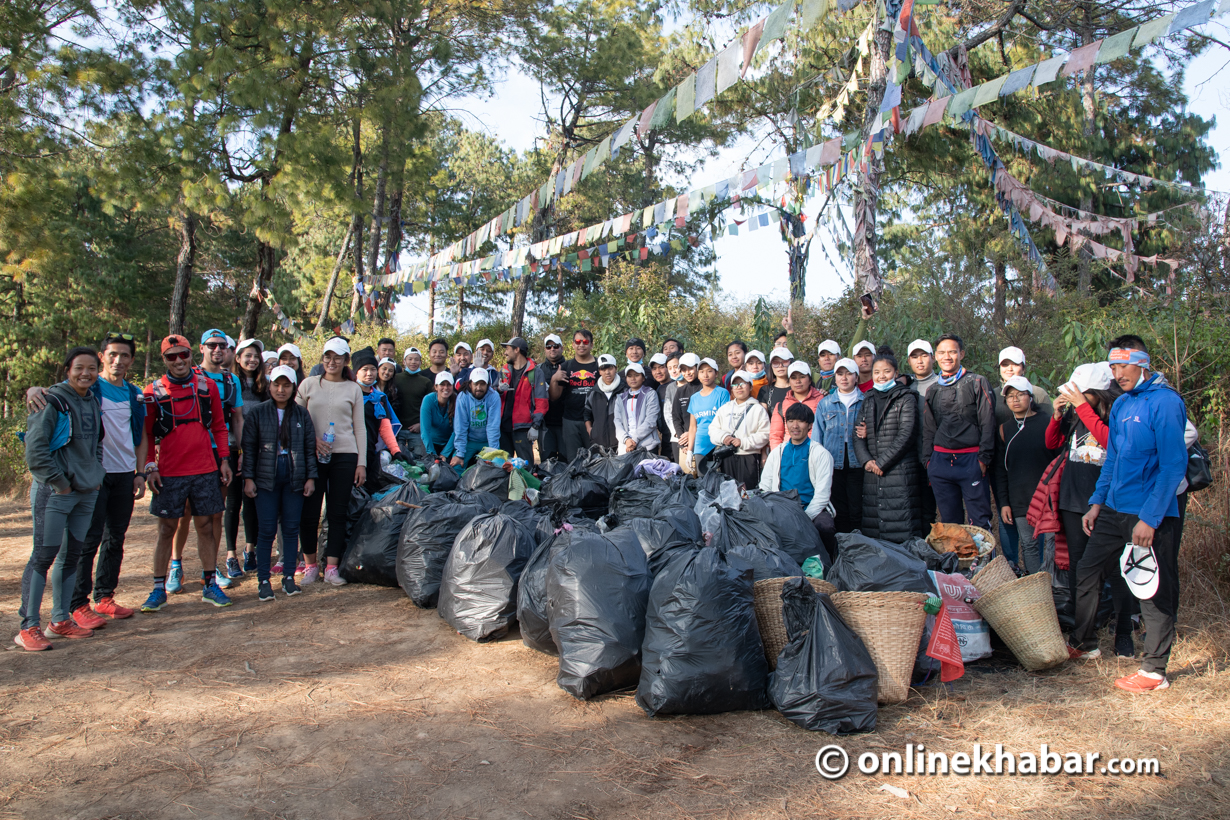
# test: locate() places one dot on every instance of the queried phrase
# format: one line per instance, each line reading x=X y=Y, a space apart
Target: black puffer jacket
x=892 y=509
x=260 y=446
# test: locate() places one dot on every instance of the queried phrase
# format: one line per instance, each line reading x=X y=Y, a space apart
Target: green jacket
x=64 y=441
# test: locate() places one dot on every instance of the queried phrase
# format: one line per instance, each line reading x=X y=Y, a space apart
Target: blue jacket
x=834 y=428
x=435 y=426
x=1146 y=457
x=137 y=420
x=477 y=420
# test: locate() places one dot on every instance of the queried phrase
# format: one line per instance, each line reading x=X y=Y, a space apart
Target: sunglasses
x=175 y=357
x=553 y=346
x=127 y=337
x=582 y=341
x=216 y=345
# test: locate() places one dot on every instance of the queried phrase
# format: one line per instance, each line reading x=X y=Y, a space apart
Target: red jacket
x=1093 y=423
x=1043 y=512
x=777 y=425
x=528 y=399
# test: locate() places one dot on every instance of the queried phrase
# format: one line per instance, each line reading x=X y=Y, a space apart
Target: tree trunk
x=797 y=253
x=392 y=244
x=1084 y=280
x=382 y=178
x=266 y=263
x=867 y=189
x=149 y=346
x=184 y=265
x=337 y=270
x=461 y=308
x=431 y=312
x=1000 y=312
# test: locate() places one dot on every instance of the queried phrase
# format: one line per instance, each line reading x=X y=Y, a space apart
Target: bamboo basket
x=891 y=626
x=993 y=576
x=1022 y=613
x=966 y=563
x=767 y=601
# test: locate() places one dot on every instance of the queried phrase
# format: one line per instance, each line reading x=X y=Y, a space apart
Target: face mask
x=367 y=383
x=885 y=387
x=1144 y=377
x=414 y=371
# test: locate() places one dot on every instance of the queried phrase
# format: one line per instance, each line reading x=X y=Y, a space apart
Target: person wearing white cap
x=335 y=402
x=636 y=412
x=921 y=358
x=666 y=403
x=338 y=343
x=863 y=353
x=754 y=363
x=279 y=473
x=436 y=418
x=600 y=405
x=1012 y=363
x=571 y=385
x=485 y=349
x=736 y=354
x=229 y=359
x=412 y=386
x=524 y=398
x=290 y=355
x=743 y=424
x=656 y=375
x=548 y=426
x=702 y=407
x=827 y=354
x=773 y=393
x=688 y=387
x=1021 y=457
x=802 y=390
x=270 y=360
x=836 y=416
x=476 y=420
x=254 y=389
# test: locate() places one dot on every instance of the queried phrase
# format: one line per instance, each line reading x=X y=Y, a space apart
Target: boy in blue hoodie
x=1134 y=502
x=476 y=422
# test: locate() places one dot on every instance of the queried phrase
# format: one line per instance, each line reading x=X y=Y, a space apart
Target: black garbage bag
x=740 y=528
x=427 y=538
x=767 y=562
x=578 y=488
x=485 y=477
x=869 y=565
x=597 y=591
x=788 y=519
x=606 y=464
x=529 y=516
x=359 y=499
x=478 y=590
x=702 y=652
x=550 y=468
x=659 y=533
x=680 y=491
x=442 y=477
x=946 y=562
x=532 y=591
x=825 y=678
x=635 y=498
x=371 y=557
x=711 y=482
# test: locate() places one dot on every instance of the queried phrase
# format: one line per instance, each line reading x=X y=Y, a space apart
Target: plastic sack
x=680 y=491
x=550 y=468
x=359 y=499
x=973 y=633
x=813 y=567
x=441 y=477
x=664 y=532
x=478 y=590
x=767 y=562
x=532 y=591
x=427 y=538
x=597 y=591
x=579 y=488
x=529 y=516
x=868 y=565
x=485 y=477
x=371 y=557
x=607 y=464
x=947 y=562
x=702 y=652
x=636 y=497
x=785 y=514
x=740 y=528
x=825 y=678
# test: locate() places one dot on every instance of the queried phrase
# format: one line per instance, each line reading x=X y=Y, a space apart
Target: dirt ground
x=351 y=703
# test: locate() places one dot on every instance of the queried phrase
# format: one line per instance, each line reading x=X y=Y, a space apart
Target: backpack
x=165 y=420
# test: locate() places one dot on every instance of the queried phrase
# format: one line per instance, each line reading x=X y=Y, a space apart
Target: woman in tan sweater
x=335 y=403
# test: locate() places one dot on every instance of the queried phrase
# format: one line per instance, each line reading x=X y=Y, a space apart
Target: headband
x=1125 y=355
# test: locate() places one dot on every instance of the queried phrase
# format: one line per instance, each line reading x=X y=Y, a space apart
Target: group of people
x=247 y=436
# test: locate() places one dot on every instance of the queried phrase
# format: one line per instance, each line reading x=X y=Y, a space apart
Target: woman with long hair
x=291 y=356
x=436 y=418
x=249 y=368
x=892 y=505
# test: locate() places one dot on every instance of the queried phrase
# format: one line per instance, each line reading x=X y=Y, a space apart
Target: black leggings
x=333 y=482
x=239 y=506
x=1125 y=603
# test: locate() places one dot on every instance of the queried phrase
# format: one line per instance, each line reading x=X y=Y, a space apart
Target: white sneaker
x=333 y=576
x=310 y=575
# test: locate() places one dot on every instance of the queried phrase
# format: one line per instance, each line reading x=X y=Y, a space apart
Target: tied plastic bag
x=611 y=465
x=485 y=477
x=359 y=499
x=787 y=518
x=868 y=565
x=636 y=497
x=702 y=652
x=372 y=555
x=597 y=591
x=666 y=531
x=946 y=562
x=767 y=562
x=427 y=538
x=680 y=491
x=532 y=591
x=579 y=488
x=825 y=678
x=441 y=477
x=478 y=591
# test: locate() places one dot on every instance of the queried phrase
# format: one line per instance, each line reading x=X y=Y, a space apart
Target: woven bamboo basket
x=767 y=601
x=891 y=626
x=966 y=563
x=993 y=576
x=1022 y=613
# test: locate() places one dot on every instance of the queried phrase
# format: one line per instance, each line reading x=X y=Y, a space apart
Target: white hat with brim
x=849 y=364
x=1011 y=354
x=551 y=337
x=386 y=360
x=799 y=367
x=634 y=367
x=1092 y=376
x=291 y=349
x=781 y=353
x=709 y=362
x=658 y=358
x=230 y=342
x=920 y=344
x=479 y=374
x=689 y=360
x=744 y=375
x=462 y=345
x=830 y=346
x=1018 y=383
x=444 y=378
x=246 y=343
x=339 y=346
x=607 y=360
x=283 y=372
x=486 y=342
x=1138 y=566
x=269 y=356
x=755 y=354
x=863 y=345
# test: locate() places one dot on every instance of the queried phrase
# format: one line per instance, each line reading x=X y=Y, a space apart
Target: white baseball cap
x=690 y=360
x=479 y=374
x=1092 y=376
x=799 y=367
x=246 y=343
x=460 y=345
x=337 y=345
x=291 y=349
x=863 y=345
x=709 y=362
x=634 y=366
x=444 y=378
x=386 y=360
x=607 y=360
x=781 y=353
x=830 y=346
x=411 y=350
x=283 y=372
x=1020 y=383
x=551 y=337
x=1138 y=566
x=848 y=363
x=742 y=374
x=269 y=356
x=920 y=344
x=658 y=358
x=486 y=342
x=230 y=342
x=1011 y=354
x=755 y=354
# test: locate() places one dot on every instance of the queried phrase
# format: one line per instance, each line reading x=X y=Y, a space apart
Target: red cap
x=174 y=341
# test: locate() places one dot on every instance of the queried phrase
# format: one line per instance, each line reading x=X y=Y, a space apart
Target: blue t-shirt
x=705 y=408
x=795 y=475
x=219 y=379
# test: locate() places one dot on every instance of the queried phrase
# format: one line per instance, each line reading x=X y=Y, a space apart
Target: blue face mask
x=414 y=371
x=886 y=386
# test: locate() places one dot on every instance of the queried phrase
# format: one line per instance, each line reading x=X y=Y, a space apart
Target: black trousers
x=927 y=496
x=847 y=498
x=1125 y=602
x=105 y=539
x=575 y=439
x=333 y=482
x=239 y=506
x=517 y=443
x=550 y=443
x=1111 y=534
x=828 y=536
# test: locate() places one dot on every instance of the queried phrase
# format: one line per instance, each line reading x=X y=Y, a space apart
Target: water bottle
x=329 y=438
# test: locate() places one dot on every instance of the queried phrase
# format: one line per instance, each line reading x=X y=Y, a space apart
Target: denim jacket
x=834 y=428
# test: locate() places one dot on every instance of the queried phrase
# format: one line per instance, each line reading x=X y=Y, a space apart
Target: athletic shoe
x=1124 y=647
x=67 y=629
x=249 y=561
x=301 y=567
x=32 y=639
x=1142 y=682
x=107 y=606
x=266 y=591
x=222 y=581
x=156 y=601
x=289 y=586
x=311 y=575
x=212 y=595
x=277 y=567
x=333 y=576
x=175 y=580
x=1077 y=655
x=233 y=569
x=86 y=619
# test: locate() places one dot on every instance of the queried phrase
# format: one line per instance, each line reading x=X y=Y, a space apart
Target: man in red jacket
x=525 y=398
x=183 y=409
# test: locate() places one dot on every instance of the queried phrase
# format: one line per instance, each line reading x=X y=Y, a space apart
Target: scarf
x=608 y=389
x=181 y=382
x=944 y=381
x=827 y=374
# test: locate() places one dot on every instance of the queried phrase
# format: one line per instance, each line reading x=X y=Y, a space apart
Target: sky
x=754 y=264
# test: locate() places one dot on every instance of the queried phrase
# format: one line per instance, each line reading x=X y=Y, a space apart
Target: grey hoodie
x=78 y=464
